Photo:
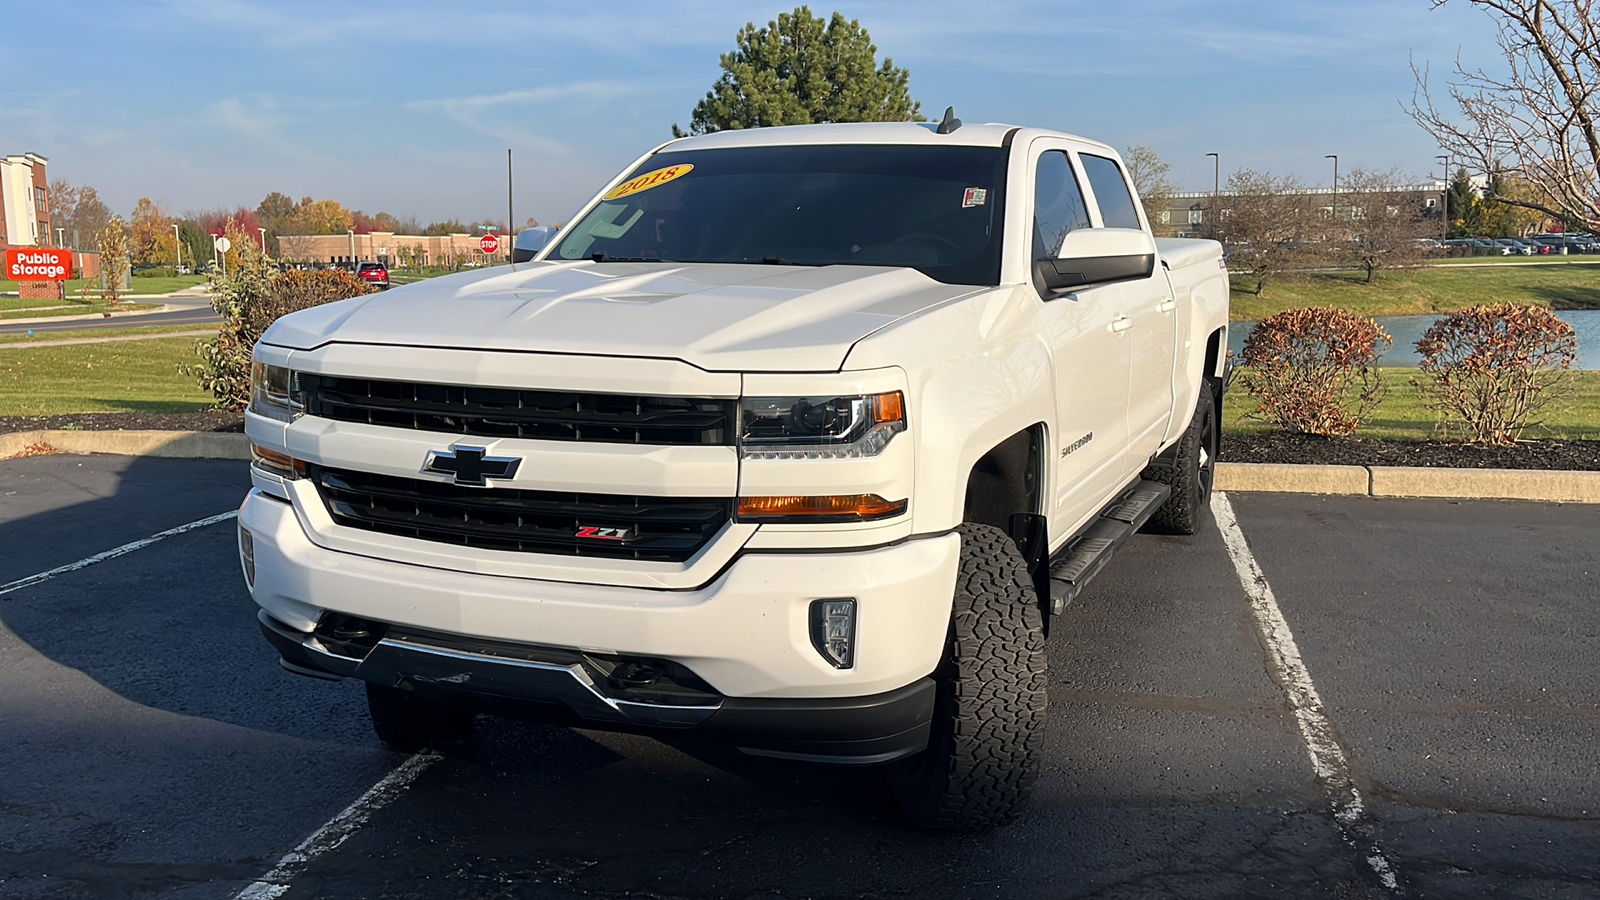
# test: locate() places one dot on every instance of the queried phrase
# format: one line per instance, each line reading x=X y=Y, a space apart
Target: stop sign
x=488 y=243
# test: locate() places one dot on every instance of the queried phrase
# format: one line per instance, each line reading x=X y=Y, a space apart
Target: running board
x=1085 y=555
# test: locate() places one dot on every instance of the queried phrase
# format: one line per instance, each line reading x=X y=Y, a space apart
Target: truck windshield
x=934 y=209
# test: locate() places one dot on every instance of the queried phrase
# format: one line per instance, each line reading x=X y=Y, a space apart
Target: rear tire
x=409 y=723
x=1191 y=472
x=989 y=710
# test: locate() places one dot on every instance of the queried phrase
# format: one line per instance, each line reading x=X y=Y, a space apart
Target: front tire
x=409 y=723
x=1191 y=471
x=984 y=749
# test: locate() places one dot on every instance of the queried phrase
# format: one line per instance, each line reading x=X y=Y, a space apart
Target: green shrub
x=1310 y=370
x=1493 y=368
x=155 y=272
x=253 y=296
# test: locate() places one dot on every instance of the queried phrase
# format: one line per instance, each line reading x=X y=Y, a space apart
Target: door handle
x=1166 y=306
x=1120 y=324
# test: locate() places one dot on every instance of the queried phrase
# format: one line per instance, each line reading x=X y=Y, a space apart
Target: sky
x=409 y=107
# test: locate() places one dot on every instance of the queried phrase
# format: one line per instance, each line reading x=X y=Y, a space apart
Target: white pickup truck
x=794 y=438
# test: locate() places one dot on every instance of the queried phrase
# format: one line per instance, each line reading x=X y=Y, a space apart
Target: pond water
x=1407 y=329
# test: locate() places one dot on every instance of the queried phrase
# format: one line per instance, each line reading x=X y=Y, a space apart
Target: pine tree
x=802 y=69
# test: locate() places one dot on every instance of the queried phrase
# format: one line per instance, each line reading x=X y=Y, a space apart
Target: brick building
x=24 y=202
x=389 y=248
x=1192 y=213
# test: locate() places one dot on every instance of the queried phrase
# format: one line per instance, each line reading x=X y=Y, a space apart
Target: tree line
x=154 y=237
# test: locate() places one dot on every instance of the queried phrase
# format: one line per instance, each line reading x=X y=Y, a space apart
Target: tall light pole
x=1335 y=158
x=511 y=210
x=177 y=249
x=61 y=235
x=1216 y=187
x=263 y=239
x=352 y=233
x=1444 y=197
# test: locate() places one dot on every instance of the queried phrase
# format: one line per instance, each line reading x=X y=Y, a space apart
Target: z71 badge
x=604 y=534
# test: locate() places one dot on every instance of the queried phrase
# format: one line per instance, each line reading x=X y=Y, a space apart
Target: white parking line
x=275 y=882
x=1328 y=759
x=84 y=563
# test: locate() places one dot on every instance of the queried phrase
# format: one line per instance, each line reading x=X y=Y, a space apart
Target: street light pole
x=177 y=249
x=1216 y=187
x=263 y=239
x=1335 y=158
x=511 y=209
x=61 y=235
x=1444 y=197
x=352 y=233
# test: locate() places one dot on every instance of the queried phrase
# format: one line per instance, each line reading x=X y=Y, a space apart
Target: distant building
x=1191 y=213
x=25 y=201
x=390 y=248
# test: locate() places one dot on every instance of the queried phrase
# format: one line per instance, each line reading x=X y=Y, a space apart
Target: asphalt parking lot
x=153 y=748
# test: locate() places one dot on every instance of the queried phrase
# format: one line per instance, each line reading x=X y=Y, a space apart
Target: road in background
x=182 y=309
x=154 y=748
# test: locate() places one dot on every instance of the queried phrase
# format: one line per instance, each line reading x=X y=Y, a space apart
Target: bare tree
x=1386 y=223
x=1149 y=176
x=1537 y=119
x=1268 y=225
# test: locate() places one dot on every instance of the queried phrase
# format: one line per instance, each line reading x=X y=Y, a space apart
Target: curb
x=175 y=444
x=1548 y=485
x=1362 y=481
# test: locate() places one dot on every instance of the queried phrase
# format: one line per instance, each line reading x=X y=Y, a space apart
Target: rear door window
x=1110 y=192
x=1058 y=206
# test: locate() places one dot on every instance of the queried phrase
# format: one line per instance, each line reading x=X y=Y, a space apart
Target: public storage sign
x=38 y=264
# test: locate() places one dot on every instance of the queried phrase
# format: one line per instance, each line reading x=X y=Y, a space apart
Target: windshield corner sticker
x=974 y=197
x=647 y=181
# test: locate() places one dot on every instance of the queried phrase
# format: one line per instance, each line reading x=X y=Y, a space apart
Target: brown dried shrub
x=1310 y=370
x=1494 y=368
x=253 y=296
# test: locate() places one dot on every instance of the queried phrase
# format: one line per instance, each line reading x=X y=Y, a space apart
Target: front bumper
x=566 y=687
x=746 y=631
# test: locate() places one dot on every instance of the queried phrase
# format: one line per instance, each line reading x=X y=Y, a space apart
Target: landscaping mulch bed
x=1304 y=449
x=205 y=420
x=1255 y=448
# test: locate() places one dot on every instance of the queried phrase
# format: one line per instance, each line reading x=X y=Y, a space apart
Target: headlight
x=819 y=427
x=275 y=392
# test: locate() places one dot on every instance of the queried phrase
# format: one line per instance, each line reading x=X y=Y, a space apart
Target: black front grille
x=669 y=529
x=517 y=413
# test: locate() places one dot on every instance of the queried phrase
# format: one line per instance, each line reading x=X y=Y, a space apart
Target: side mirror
x=530 y=241
x=1098 y=256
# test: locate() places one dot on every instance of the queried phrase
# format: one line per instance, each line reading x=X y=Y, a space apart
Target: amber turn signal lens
x=280 y=464
x=890 y=407
x=846 y=508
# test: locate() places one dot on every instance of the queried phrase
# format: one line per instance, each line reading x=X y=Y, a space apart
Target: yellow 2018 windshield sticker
x=647 y=181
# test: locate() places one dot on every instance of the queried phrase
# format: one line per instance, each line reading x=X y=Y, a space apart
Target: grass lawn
x=122 y=376
x=96 y=333
x=1561 y=283
x=70 y=309
x=1402 y=415
x=139 y=285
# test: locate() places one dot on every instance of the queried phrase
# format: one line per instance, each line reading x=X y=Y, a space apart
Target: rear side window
x=1110 y=192
x=1058 y=206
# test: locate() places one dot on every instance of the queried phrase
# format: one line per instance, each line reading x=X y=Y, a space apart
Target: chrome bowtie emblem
x=471 y=465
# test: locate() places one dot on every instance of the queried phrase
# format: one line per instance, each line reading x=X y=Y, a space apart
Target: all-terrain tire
x=409 y=723
x=984 y=750
x=1191 y=471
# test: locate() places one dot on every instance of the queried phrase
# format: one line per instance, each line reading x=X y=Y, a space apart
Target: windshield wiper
x=780 y=261
x=601 y=257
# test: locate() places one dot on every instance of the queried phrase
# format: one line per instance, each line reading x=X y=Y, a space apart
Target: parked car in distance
x=373 y=273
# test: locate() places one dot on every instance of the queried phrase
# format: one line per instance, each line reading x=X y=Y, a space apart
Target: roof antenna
x=950 y=123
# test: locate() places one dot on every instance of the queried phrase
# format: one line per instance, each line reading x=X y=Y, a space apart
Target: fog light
x=833 y=630
x=247 y=557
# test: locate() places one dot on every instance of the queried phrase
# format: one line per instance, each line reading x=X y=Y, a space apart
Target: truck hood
x=747 y=318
